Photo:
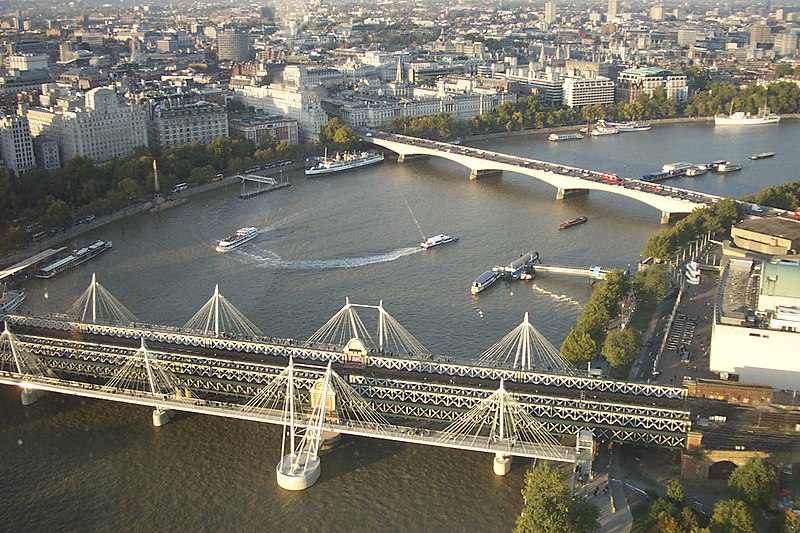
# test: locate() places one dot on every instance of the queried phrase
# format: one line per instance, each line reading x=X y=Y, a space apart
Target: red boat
x=572 y=222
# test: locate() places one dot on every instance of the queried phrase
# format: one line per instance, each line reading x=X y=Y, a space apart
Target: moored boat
x=345 y=161
x=728 y=166
x=565 y=136
x=438 y=240
x=762 y=155
x=237 y=239
x=74 y=259
x=483 y=281
x=681 y=166
x=604 y=130
x=572 y=222
x=629 y=126
x=696 y=170
x=10 y=300
x=746 y=119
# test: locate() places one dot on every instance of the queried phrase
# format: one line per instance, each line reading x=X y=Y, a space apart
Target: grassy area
x=642 y=316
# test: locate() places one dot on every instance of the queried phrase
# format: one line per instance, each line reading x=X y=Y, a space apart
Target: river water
x=86 y=465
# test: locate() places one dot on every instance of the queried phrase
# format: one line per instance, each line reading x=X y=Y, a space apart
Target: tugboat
x=572 y=222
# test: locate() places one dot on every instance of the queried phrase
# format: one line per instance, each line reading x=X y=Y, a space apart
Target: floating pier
x=264 y=184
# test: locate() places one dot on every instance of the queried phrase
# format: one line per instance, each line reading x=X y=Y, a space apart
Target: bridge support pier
x=330 y=439
x=502 y=464
x=162 y=417
x=29 y=396
x=298 y=471
x=568 y=193
x=475 y=174
x=403 y=158
x=666 y=217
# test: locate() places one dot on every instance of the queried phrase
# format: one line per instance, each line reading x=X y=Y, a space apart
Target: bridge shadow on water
x=356 y=453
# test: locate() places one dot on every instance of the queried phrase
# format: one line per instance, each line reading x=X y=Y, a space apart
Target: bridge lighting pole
x=94 y=298
x=501 y=463
x=216 y=310
x=381 y=322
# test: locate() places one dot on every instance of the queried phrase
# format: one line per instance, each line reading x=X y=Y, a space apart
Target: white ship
x=604 y=130
x=555 y=137
x=345 y=161
x=10 y=300
x=483 y=281
x=438 y=240
x=746 y=119
x=237 y=239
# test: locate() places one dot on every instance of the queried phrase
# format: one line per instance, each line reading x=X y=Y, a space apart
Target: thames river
x=72 y=464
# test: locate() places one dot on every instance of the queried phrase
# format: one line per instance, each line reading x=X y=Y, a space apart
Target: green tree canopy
x=578 y=348
x=731 y=516
x=754 y=482
x=548 y=508
x=621 y=347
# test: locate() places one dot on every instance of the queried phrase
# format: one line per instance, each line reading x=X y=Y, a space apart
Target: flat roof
x=775 y=226
x=652 y=71
x=780 y=279
x=31 y=261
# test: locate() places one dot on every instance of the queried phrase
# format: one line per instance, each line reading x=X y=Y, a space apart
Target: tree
x=548 y=507
x=791 y=522
x=731 y=516
x=754 y=482
x=578 y=348
x=675 y=492
x=58 y=215
x=783 y=69
x=621 y=347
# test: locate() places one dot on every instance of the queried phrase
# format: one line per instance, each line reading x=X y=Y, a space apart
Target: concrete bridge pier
x=162 y=416
x=402 y=158
x=502 y=464
x=475 y=174
x=29 y=396
x=568 y=193
x=666 y=217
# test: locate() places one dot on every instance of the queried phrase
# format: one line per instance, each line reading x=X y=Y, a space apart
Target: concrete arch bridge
x=566 y=179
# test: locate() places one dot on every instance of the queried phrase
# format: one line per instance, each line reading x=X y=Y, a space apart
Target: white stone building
x=304 y=104
x=173 y=124
x=102 y=129
x=587 y=91
x=16 y=144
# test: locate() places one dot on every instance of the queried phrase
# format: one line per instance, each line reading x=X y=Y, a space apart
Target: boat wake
x=557 y=297
x=273 y=260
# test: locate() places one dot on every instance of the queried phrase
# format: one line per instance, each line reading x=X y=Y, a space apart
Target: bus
x=179 y=187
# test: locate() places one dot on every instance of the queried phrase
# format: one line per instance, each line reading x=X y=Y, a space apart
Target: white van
x=179 y=187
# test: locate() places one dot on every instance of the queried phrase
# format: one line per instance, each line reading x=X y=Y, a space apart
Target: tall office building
x=613 y=10
x=233 y=46
x=173 y=124
x=16 y=144
x=550 y=12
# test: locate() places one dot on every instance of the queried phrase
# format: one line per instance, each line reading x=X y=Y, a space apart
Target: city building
x=16 y=144
x=302 y=76
x=587 y=91
x=172 y=123
x=26 y=62
x=16 y=81
x=772 y=236
x=102 y=129
x=233 y=46
x=613 y=10
x=760 y=34
x=635 y=81
x=259 y=129
x=304 y=104
x=550 y=11
x=46 y=152
x=756 y=329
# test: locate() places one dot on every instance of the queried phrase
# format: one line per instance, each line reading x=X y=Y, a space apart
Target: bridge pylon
x=219 y=317
x=96 y=304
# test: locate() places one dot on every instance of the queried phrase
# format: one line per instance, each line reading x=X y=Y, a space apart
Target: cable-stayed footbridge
x=566 y=179
x=519 y=398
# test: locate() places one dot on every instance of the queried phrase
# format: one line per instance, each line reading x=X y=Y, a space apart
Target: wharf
x=250 y=194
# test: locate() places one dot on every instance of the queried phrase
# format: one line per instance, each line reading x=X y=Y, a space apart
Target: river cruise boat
x=746 y=119
x=10 y=300
x=572 y=222
x=237 y=239
x=484 y=281
x=728 y=166
x=555 y=137
x=696 y=170
x=438 y=240
x=676 y=168
x=627 y=126
x=604 y=130
x=74 y=259
x=344 y=161
x=762 y=155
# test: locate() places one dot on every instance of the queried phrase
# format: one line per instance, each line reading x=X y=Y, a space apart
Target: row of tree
x=785 y=196
x=54 y=199
x=583 y=341
x=548 y=507
x=751 y=487
x=527 y=113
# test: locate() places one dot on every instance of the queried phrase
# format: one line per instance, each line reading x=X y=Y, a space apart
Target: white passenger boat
x=344 y=161
x=10 y=300
x=438 y=240
x=237 y=239
x=555 y=137
x=604 y=130
x=746 y=119
x=483 y=281
x=74 y=259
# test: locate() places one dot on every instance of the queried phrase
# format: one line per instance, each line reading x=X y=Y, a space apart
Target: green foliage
x=650 y=285
x=791 y=522
x=578 y=347
x=716 y=218
x=754 y=482
x=783 y=69
x=548 y=508
x=621 y=347
x=731 y=516
x=438 y=127
x=662 y=506
x=338 y=136
x=675 y=492
x=785 y=196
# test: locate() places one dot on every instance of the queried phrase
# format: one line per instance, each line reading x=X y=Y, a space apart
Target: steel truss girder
x=289 y=347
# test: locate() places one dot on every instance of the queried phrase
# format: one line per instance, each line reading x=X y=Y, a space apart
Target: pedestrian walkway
x=606 y=492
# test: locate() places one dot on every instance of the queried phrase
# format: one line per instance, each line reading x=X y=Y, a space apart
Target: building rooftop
x=776 y=226
x=651 y=71
x=781 y=279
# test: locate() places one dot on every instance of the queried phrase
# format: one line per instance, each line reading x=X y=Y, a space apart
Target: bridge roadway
x=408 y=389
x=566 y=179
